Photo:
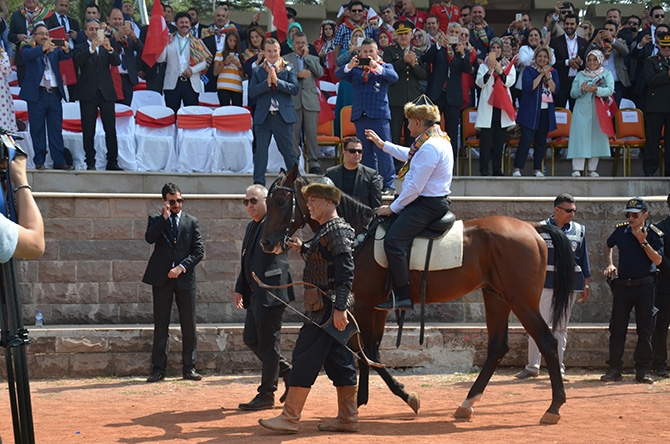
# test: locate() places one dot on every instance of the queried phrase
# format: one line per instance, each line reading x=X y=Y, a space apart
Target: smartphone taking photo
x=363 y=61
x=58 y=42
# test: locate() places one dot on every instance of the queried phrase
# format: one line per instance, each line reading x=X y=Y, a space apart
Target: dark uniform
x=407 y=88
x=329 y=264
x=657 y=112
x=633 y=287
x=659 y=339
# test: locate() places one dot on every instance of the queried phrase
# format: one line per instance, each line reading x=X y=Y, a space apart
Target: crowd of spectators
x=445 y=52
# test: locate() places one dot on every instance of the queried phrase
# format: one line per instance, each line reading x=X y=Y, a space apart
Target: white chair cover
x=245 y=94
x=332 y=100
x=125 y=137
x=276 y=160
x=233 y=152
x=145 y=98
x=73 y=139
x=209 y=99
x=21 y=109
x=15 y=90
x=155 y=146
x=195 y=146
x=327 y=86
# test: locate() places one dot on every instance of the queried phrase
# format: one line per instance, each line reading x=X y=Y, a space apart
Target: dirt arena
x=128 y=410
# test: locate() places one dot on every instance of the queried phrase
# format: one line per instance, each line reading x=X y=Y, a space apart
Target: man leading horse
x=427 y=174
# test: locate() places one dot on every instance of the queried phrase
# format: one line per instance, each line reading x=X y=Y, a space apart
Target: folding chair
x=155 y=133
x=209 y=99
x=629 y=134
x=73 y=139
x=326 y=138
x=559 y=138
x=146 y=98
x=470 y=139
x=195 y=139
x=234 y=138
x=125 y=139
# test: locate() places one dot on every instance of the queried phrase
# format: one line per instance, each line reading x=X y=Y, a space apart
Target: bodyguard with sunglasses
x=178 y=248
x=632 y=282
x=262 y=325
x=564 y=211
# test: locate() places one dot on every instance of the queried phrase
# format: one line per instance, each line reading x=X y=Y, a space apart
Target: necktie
x=175 y=227
x=62 y=22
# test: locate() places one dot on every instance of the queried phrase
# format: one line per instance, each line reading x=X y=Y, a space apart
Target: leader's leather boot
x=290 y=416
x=347 y=411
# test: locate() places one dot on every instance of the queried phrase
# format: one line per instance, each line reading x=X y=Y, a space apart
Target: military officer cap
x=635 y=205
x=664 y=39
x=403 y=26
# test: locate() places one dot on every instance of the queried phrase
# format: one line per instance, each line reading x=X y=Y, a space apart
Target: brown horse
x=505 y=257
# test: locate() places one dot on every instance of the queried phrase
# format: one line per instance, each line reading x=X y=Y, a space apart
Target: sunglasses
x=354 y=151
x=656 y=16
x=356 y=10
x=633 y=215
x=568 y=210
x=586 y=27
x=252 y=201
x=633 y=24
x=174 y=201
x=567 y=11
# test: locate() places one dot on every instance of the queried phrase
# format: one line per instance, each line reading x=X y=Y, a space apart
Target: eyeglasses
x=586 y=27
x=174 y=201
x=633 y=24
x=633 y=215
x=252 y=201
x=568 y=210
x=656 y=16
x=356 y=10
x=354 y=151
x=566 y=11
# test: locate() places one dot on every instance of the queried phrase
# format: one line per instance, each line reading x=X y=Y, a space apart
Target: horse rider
x=329 y=265
x=425 y=192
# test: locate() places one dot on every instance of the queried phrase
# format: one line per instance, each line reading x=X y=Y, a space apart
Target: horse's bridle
x=294 y=199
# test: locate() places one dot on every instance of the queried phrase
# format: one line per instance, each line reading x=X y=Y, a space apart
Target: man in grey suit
x=615 y=50
x=353 y=178
x=272 y=83
x=306 y=102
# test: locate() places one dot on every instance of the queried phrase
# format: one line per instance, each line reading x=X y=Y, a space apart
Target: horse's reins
x=293 y=192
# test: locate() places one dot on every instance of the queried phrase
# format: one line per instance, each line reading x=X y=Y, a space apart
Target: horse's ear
x=282 y=171
x=293 y=174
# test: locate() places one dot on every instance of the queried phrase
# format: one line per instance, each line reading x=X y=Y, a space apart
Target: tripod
x=14 y=336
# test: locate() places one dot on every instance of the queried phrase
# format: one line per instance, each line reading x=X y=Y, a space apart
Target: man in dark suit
x=262 y=326
x=196 y=26
x=178 y=248
x=406 y=61
x=641 y=50
x=657 y=114
x=370 y=109
x=129 y=48
x=92 y=11
x=356 y=180
x=570 y=52
x=96 y=91
x=21 y=26
x=273 y=83
x=155 y=76
x=60 y=18
x=43 y=90
x=447 y=63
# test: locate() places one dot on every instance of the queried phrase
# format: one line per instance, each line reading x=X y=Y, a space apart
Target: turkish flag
x=279 y=18
x=66 y=67
x=606 y=107
x=158 y=36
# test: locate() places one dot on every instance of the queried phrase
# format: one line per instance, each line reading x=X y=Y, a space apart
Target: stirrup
x=392 y=304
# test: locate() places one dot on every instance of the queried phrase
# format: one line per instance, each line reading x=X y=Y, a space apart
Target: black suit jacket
x=210 y=43
x=52 y=22
x=188 y=250
x=17 y=25
x=367 y=187
x=442 y=71
x=272 y=269
x=94 y=74
x=561 y=53
x=133 y=54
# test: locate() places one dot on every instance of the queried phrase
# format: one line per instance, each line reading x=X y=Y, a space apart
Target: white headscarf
x=596 y=72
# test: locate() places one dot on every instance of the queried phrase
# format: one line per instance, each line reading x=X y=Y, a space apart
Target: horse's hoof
x=414 y=402
x=550 y=418
x=464 y=412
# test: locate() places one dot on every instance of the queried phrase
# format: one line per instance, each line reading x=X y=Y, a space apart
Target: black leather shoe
x=393 y=304
x=90 y=167
x=156 y=376
x=258 y=403
x=644 y=377
x=285 y=377
x=662 y=372
x=40 y=166
x=612 y=375
x=192 y=375
x=64 y=167
x=113 y=166
x=316 y=170
x=388 y=191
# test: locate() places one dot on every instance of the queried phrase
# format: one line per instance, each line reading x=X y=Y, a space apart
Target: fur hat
x=322 y=191
x=423 y=109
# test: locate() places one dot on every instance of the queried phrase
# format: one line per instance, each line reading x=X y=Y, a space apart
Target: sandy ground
x=129 y=410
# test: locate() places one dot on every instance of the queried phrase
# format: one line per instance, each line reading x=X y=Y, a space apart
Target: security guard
x=640 y=251
x=406 y=61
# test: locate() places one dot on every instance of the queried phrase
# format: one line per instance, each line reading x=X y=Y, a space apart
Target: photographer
x=25 y=239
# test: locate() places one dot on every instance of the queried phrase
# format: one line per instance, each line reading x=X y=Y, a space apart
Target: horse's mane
x=358 y=215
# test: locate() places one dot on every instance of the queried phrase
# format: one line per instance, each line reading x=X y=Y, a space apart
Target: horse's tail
x=564 y=272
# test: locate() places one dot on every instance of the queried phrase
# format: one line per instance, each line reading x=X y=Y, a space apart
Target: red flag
x=116 y=80
x=66 y=67
x=158 y=36
x=500 y=97
x=606 y=108
x=326 y=113
x=279 y=17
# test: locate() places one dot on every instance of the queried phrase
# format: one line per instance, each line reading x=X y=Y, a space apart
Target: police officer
x=640 y=251
x=329 y=265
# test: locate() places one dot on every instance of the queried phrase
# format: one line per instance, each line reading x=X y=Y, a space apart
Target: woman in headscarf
x=496 y=111
x=287 y=46
x=324 y=46
x=420 y=40
x=537 y=115
x=587 y=140
x=384 y=39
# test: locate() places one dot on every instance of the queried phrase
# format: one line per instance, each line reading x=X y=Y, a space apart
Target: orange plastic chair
x=325 y=136
x=629 y=134
x=558 y=138
x=347 y=127
x=470 y=138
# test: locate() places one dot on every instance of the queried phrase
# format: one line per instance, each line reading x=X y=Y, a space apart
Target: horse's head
x=287 y=211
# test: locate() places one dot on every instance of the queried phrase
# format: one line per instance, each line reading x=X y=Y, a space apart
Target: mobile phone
x=101 y=34
x=359 y=41
x=128 y=24
x=58 y=42
x=454 y=40
x=519 y=16
x=363 y=61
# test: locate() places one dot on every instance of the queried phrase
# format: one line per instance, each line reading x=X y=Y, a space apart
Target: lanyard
x=448 y=14
x=182 y=47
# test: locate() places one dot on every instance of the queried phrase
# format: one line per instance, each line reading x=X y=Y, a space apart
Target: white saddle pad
x=447 y=250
